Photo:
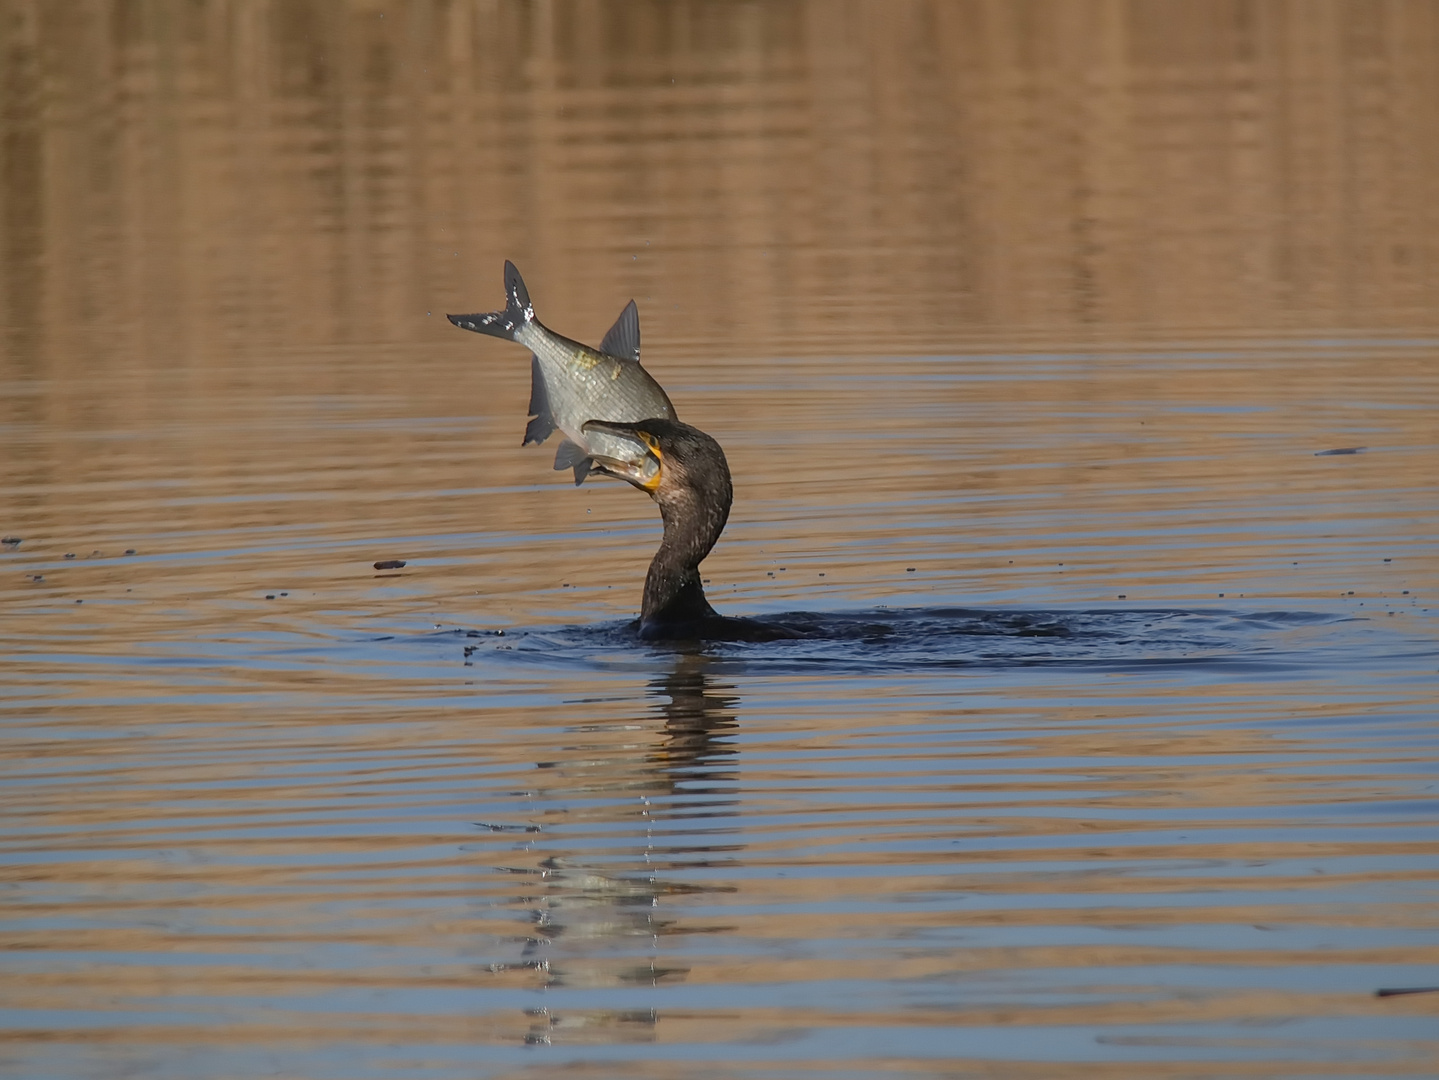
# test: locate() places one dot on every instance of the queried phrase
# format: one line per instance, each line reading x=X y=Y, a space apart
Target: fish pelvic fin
x=571 y=456
x=543 y=425
x=623 y=340
x=505 y=324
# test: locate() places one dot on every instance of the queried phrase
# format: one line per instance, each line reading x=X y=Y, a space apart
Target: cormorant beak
x=646 y=465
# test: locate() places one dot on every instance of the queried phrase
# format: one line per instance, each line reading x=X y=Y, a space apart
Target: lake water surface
x=1080 y=382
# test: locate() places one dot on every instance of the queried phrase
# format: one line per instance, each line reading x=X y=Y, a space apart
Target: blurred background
x=181 y=179
x=230 y=231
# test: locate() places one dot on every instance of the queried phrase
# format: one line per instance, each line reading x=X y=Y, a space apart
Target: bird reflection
x=699 y=720
x=597 y=884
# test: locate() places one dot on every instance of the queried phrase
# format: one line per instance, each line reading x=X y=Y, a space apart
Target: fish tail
x=507 y=324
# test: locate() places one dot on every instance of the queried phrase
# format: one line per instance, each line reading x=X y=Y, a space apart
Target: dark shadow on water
x=917 y=639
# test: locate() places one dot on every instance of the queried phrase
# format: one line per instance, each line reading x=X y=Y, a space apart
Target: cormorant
x=692 y=486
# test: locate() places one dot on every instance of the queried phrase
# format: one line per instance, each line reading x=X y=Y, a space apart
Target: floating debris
x=1341 y=450
x=389 y=564
x=12 y=541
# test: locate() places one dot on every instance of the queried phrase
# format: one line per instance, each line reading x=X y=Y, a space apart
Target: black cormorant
x=693 y=489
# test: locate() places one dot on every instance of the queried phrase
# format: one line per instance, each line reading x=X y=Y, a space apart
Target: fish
x=571 y=384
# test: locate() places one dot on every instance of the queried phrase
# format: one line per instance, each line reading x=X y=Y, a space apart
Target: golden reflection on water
x=185 y=180
x=1016 y=306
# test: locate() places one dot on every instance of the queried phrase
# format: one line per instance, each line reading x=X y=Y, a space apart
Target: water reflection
x=681 y=784
x=698 y=755
x=184 y=180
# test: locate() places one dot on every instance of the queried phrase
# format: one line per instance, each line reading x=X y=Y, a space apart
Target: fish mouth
x=637 y=459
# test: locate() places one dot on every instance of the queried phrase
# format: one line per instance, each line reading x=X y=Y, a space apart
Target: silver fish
x=571 y=383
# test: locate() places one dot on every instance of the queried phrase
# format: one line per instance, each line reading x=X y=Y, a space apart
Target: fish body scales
x=572 y=383
x=583 y=385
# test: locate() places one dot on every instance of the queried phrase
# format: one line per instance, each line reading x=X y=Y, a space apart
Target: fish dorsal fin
x=543 y=424
x=570 y=456
x=623 y=340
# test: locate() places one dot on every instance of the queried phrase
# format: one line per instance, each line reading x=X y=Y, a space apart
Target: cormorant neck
x=693 y=520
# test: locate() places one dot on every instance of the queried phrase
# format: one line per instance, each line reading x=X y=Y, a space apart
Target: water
x=1111 y=746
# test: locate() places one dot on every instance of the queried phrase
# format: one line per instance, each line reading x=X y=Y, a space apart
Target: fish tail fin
x=507 y=324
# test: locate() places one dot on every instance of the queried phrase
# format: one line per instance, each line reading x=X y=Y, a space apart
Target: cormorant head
x=682 y=468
